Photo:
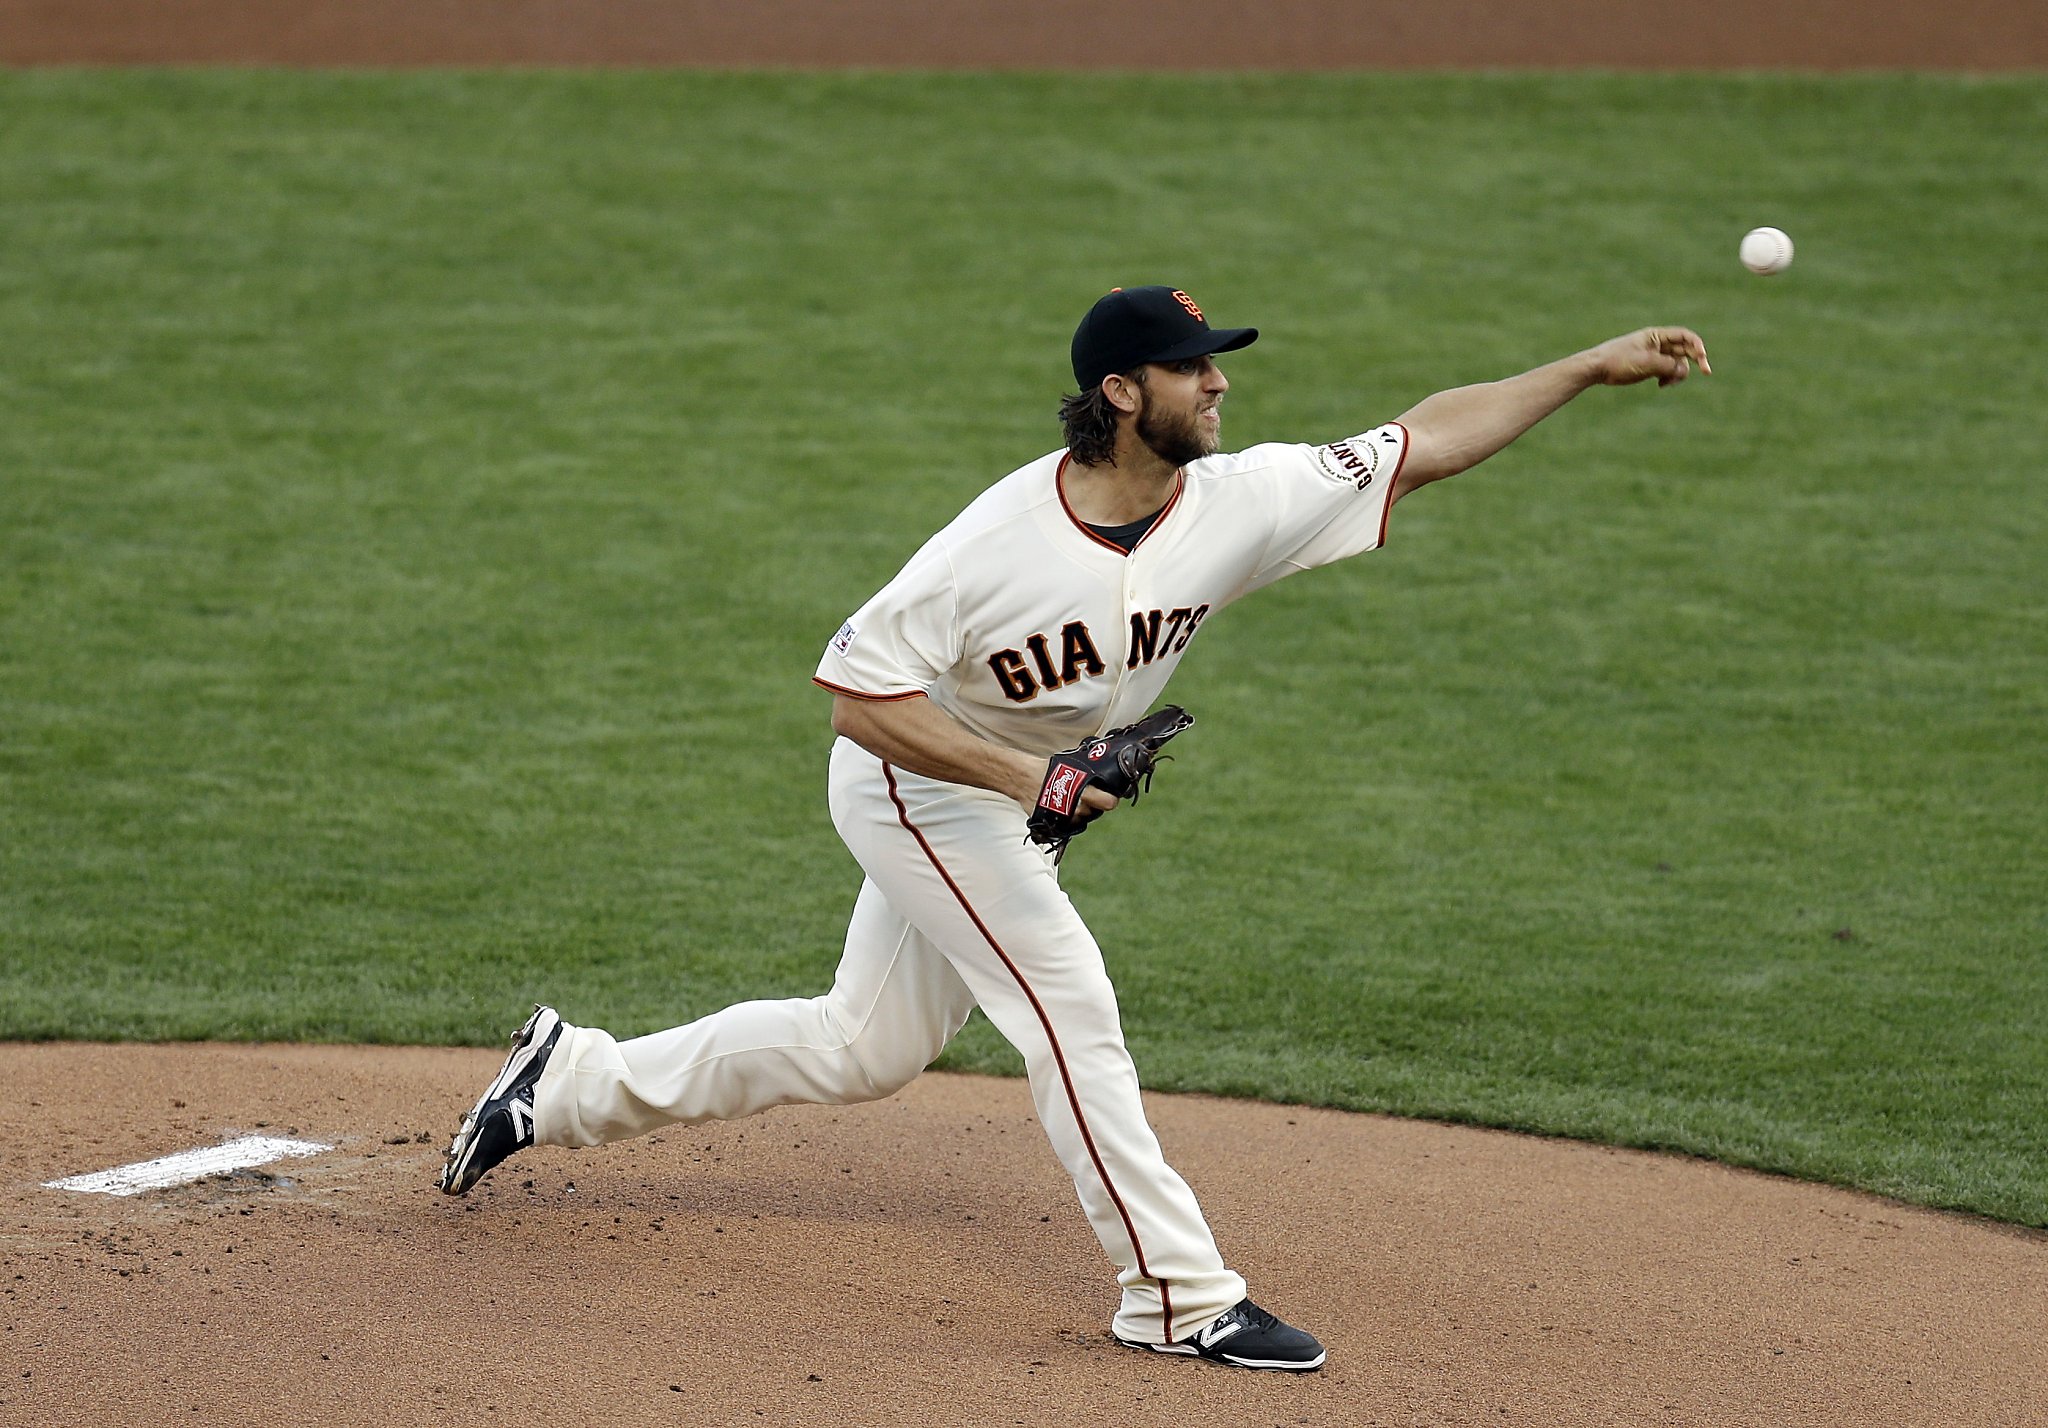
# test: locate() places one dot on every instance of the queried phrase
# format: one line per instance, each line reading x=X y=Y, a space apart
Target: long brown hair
x=1088 y=420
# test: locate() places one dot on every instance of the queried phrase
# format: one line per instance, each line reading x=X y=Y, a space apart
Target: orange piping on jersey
x=1393 y=481
x=862 y=694
x=1179 y=484
x=1052 y=1039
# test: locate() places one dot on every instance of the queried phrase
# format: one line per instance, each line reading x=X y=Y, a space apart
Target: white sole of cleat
x=1190 y=1351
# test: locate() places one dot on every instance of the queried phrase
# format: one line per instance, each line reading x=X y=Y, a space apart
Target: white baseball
x=1766 y=250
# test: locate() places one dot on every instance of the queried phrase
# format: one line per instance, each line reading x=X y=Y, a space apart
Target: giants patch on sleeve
x=843 y=641
x=1353 y=461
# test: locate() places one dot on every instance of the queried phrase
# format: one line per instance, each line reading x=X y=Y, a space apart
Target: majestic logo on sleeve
x=843 y=641
x=1354 y=460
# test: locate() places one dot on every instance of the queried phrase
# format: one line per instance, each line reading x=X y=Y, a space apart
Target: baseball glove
x=1119 y=762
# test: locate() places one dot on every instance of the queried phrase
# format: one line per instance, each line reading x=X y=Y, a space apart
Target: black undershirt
x=1126 y=538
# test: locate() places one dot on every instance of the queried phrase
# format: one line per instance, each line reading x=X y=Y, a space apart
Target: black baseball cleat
x=502 y=1119
x=1249 y=1337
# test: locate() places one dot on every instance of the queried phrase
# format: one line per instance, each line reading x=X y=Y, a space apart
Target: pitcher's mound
x=923 y=1261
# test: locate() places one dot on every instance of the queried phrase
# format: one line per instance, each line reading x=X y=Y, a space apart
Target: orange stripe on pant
x=960 y=913
x=1066 y=1076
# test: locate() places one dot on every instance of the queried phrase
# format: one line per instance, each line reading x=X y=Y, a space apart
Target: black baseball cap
x=1129 y=327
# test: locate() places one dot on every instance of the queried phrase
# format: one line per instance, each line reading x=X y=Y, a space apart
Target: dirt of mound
x=1054 y=34
x=923 y=1261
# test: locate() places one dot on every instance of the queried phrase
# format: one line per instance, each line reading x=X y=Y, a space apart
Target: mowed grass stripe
x=423 y=498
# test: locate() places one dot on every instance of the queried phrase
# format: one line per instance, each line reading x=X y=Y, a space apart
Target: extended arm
x=918 y=735
x=1459 y=428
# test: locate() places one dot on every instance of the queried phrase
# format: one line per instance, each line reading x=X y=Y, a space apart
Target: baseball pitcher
x=990 y=703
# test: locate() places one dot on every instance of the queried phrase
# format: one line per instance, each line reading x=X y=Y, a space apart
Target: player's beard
x=1175 y=438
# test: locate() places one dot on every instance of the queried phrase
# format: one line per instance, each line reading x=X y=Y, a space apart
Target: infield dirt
x=921 y=1261
x=1049 y=34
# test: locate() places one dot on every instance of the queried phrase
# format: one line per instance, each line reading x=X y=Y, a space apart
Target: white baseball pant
x=957 y=911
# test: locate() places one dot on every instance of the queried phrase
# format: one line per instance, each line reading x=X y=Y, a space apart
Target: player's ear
x=1121 y=392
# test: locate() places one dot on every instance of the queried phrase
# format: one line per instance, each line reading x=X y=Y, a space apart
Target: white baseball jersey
x=1036 y=633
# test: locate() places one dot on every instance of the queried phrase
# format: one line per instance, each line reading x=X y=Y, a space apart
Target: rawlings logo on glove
x=1062 y=787
x=1119 y=763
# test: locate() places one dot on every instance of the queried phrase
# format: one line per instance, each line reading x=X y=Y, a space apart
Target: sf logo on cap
x=1189 y=303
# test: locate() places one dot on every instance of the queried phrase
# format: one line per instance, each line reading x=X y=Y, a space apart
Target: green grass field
x=423 y=499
